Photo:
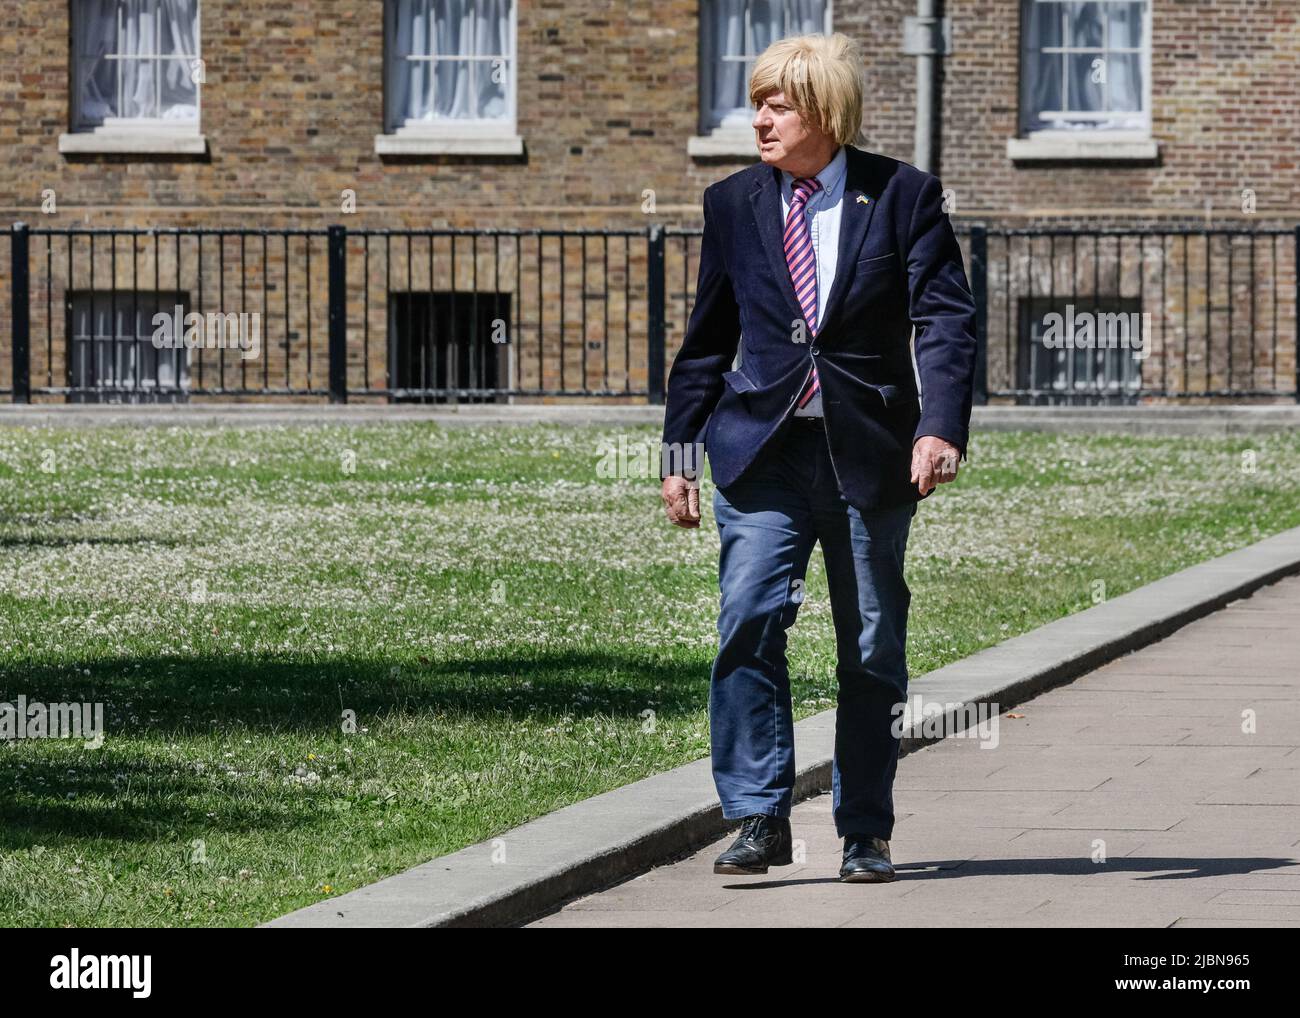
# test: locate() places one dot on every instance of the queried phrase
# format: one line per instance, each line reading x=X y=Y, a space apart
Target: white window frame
x=1099 y=142
x=479 y=136
x=141 y=135
x=728 y=142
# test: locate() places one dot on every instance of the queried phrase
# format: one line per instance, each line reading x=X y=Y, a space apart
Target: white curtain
x=1063 y=82
x=744 y=28
x=117 y=71
x=448 y=89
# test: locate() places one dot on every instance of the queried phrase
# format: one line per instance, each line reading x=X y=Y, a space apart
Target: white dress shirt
x=824 y=208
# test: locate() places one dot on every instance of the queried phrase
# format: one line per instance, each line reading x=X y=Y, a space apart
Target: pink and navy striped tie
x=802 y=260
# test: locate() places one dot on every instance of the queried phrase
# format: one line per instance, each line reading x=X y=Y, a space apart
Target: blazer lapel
x=766 y=201
x=855 y=219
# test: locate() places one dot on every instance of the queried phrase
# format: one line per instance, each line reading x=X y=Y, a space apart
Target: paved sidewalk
x=1143 y=759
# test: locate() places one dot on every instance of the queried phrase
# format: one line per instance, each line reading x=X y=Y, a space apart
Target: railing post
x=1296 y=271
x=979 y=278
x=338 y=335
x=20 y=273
x=656 y=296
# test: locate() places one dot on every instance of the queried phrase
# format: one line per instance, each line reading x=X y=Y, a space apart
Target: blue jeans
x=768 y=522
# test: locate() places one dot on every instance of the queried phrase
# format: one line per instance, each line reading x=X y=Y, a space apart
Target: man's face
x=783 y=137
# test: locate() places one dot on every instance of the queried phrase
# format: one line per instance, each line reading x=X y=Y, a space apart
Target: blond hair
x=820 y=76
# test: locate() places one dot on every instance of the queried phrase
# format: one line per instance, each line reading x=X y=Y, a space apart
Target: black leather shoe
x=764 y=841
x=866 y=860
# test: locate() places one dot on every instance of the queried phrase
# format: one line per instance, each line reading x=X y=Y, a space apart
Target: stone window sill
x=133 y=141
x=418 y=143
x=723 y=145
x=1070 y=147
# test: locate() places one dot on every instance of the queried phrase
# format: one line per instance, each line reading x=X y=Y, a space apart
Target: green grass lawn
x=497 y=613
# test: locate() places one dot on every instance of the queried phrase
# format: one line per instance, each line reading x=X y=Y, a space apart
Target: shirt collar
x=830 y=175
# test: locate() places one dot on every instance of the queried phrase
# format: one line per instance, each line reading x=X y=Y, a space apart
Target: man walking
x=816 y=264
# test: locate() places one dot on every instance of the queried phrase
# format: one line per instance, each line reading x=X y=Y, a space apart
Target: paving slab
x=1107 y=824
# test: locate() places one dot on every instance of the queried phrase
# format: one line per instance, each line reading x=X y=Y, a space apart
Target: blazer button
x=814 y=351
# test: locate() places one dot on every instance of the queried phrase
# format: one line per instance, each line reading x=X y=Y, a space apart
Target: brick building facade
x=303 y=110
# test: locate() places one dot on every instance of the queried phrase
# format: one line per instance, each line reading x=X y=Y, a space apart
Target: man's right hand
x=681 y=501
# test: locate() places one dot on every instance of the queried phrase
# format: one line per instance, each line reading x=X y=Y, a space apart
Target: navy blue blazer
x=899 y=265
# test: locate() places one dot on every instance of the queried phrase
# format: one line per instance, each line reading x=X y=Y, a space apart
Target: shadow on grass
x=51 y=541
x=198 y=696
x=124 y=796
x=138 y=789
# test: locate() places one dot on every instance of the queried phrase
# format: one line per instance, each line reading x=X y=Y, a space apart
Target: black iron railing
x=1064 y=315
x=410 y=315
x=1118 y=315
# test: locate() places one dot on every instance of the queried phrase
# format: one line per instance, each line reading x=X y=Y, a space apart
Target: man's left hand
x=934 y=461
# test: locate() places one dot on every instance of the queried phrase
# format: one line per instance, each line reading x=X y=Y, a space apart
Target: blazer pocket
x=877 y=260
x=893 y=395
x=739 y=381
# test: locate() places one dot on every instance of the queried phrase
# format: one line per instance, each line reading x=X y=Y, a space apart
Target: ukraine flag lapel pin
x=863 y=200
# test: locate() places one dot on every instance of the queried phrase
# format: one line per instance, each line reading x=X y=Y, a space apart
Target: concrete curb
x=284 y=414
x=1133 y=420
x=1183 y=421
x=613 y=836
